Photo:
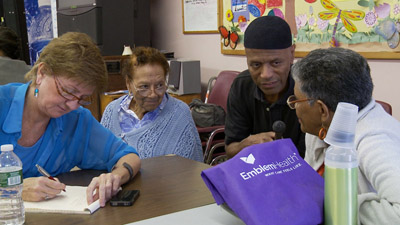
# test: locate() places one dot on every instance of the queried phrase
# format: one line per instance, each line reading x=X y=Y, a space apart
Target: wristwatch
x=128 y=167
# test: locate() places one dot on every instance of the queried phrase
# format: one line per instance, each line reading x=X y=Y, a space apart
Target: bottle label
x=12 y=178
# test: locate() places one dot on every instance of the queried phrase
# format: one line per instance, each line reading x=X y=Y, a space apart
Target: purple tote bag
x=269 y=184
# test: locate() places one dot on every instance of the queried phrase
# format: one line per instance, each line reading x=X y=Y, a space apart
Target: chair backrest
x=220 y=91
x=386 y=106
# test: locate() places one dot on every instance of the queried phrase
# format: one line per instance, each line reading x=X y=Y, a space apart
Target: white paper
x=72 y=201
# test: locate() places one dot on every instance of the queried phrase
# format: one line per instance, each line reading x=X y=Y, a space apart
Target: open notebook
x=72 y=201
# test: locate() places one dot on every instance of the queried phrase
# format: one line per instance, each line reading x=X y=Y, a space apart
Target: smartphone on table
x=125 y=198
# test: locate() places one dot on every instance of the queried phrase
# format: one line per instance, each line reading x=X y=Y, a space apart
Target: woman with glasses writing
x=326 y=77
x=45 y=123
x=148 y=118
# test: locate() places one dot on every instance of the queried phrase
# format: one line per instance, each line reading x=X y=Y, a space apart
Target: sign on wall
x=200 y=16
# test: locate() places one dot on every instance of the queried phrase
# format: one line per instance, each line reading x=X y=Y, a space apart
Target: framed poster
x=370 y=27
x=200 y=16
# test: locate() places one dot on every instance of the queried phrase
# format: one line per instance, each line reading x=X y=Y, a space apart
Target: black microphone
x=278 y=127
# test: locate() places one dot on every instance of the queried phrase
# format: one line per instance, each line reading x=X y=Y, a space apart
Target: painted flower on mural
x=243 y=26
x=242 y=19
x=386 y=29
x=276 y=12
x=322 y=24
x=229 y=15
x=301 y=21
x=242 y=23
x=311 y=21
x=382 y=10
x=396 y=9
x=370 y=19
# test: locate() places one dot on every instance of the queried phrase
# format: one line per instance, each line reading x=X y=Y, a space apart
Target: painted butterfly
x=230 y=38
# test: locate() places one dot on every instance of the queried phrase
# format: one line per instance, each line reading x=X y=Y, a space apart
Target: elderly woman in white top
x=149 y=119
x=326 y=77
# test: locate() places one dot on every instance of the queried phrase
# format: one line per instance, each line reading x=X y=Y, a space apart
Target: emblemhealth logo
x=268 y=168
x=249 y=159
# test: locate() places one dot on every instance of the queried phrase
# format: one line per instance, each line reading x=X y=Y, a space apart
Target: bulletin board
x=200 y=16
x=370 y=27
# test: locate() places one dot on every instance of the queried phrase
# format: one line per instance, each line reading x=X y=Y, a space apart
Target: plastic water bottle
x=11 y=205
x=341 y=174
x=341 y=168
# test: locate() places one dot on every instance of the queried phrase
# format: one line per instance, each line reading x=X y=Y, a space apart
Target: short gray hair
x=334 y=75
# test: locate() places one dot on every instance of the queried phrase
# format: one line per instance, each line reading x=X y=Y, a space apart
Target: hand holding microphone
x=279 y=128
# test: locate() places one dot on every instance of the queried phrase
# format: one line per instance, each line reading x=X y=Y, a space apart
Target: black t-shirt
x=249 y=113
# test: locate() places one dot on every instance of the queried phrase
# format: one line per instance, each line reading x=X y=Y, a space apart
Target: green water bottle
x=341 y=168
x=341 y=175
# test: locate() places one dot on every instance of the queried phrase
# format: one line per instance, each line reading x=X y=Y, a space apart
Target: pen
x=45 y=173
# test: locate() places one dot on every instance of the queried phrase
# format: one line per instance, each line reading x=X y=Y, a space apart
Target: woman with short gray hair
x=326 y=77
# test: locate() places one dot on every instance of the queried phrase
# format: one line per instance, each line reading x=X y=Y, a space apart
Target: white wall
x=167 y=35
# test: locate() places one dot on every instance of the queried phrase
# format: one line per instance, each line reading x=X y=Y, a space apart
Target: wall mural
x=39 y=26
x=370 y=27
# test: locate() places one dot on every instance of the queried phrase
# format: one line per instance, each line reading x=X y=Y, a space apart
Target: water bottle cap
x=343 y=126
x=7 y=148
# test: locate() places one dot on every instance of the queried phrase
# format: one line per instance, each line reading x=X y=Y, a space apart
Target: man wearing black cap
x=258 y=95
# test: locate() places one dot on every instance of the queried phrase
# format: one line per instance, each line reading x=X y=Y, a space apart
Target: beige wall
x=167 y=35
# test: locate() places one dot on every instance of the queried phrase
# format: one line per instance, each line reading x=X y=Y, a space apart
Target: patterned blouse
x=128 y=118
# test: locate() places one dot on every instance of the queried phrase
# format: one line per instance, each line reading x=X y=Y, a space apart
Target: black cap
x=268 y=32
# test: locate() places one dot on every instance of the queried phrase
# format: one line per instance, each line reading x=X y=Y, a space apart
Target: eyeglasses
x=145 y=90
x=84 y=100
x=292 y=100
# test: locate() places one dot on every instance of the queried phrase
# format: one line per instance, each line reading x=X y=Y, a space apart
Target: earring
x=36 y=92
x=322 y=133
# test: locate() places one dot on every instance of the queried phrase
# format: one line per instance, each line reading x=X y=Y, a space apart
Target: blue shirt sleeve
x=74 y=139
x=88 y=144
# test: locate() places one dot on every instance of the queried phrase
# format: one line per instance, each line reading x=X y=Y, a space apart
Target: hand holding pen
x=45 y=173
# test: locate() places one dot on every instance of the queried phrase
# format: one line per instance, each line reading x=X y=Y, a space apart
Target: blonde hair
x=75 y=56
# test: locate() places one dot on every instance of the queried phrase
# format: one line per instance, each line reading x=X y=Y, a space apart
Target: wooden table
x=167 y=184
